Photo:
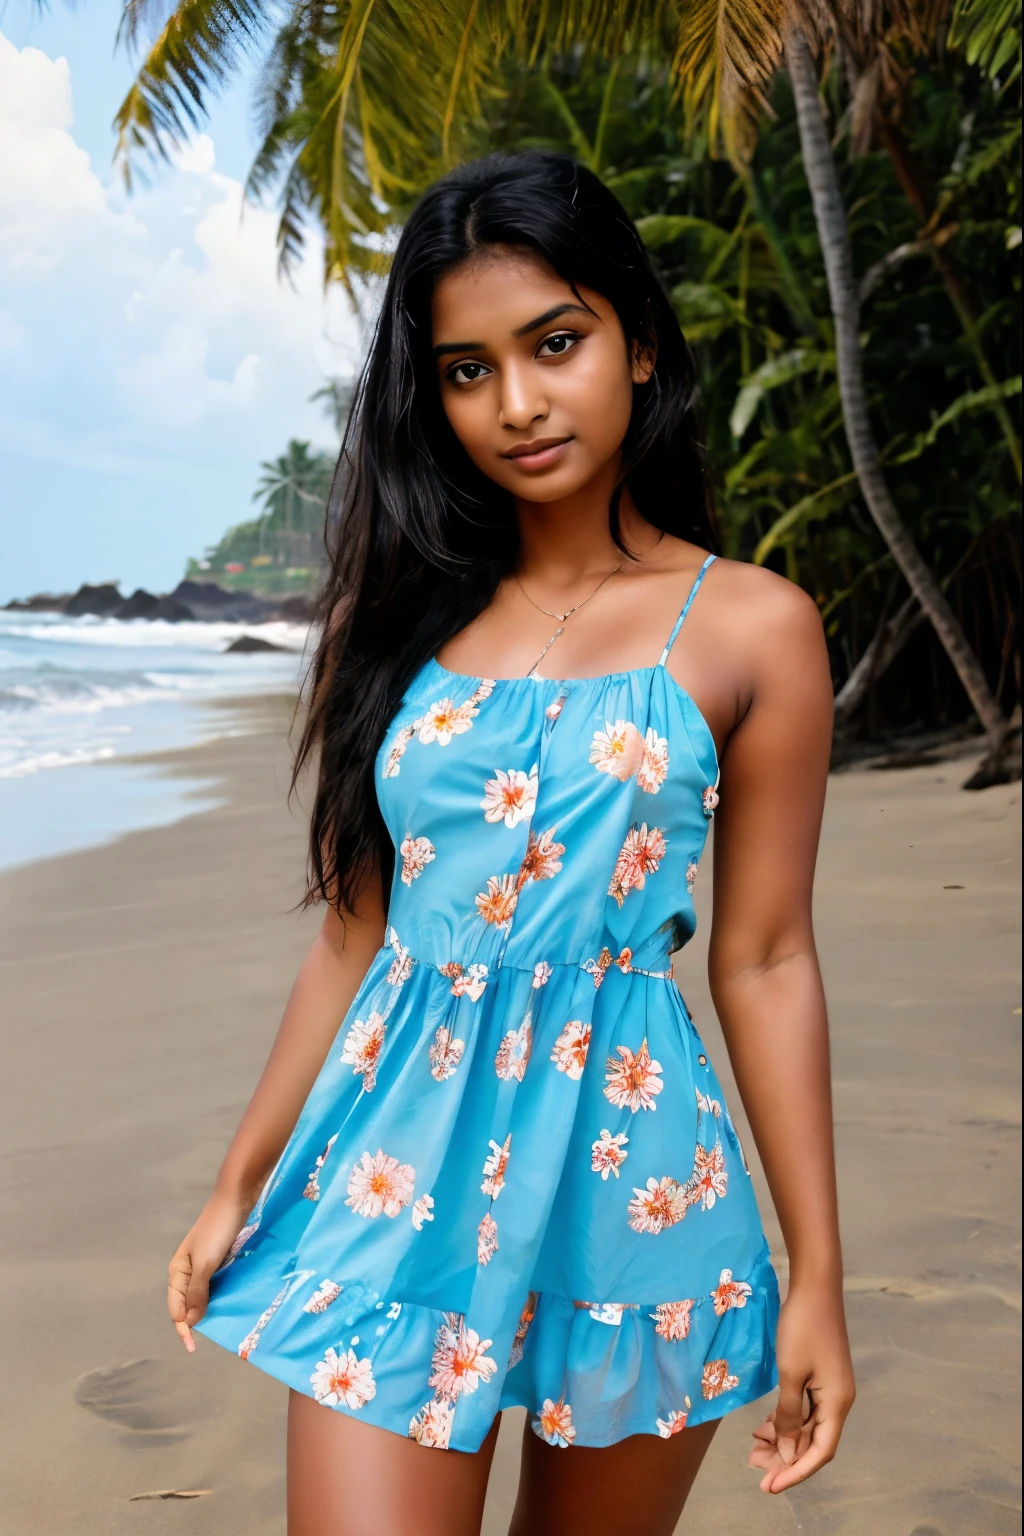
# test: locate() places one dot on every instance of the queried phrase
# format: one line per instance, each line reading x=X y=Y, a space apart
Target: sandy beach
x=142 y=983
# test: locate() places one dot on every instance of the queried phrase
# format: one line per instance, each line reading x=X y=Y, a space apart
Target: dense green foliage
x=740 y=256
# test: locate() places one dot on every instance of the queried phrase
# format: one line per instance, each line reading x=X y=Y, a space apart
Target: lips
x=539 y=454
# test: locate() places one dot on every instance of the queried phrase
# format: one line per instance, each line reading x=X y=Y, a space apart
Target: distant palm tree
x=363 y=103
x=293 y=490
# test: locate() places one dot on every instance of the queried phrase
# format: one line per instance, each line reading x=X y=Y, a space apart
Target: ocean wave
x=188 y=635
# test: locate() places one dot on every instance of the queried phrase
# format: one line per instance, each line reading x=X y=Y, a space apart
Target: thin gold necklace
x=561 y=617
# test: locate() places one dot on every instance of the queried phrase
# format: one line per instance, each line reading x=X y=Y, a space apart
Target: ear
x=643 y=356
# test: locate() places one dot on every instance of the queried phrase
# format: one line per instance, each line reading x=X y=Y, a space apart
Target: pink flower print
x=554 y=1423
x=460 y=1362
x=495 y=1168
x=510 y=797
x=380 y=1186
x=312 y=1189
x=497 y=904
x=659 y=1206
x=401 y=966
x=470 y=982
x=422 y=1210
x=729 y=1293
x=432 y=1426
x=618 y=750
x=417 y=853
x=526 y=1317
x=398 y=748
x=710 y=1180
x=634 y=1081
x=672 y=1320
x=672 y=1425
x=341 y=1379
x=707 y=1106
x=554 y=710
x=639 y=856
x=716 y=1379
x=363 y=1045
x=607 y=1154
x=691 y=876
x=541 y=973
x=240 y=1242
x=445 y=1054
x=252 y=1338
x=542 y=860
x=486 y=1239
x=571 y=1047
x=326 y=1292
x=653 y=768
x=709 y=800
x=444 y=720
x=514 y=1053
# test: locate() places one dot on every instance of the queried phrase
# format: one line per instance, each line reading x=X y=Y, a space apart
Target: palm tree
x=293 y=489
x=364 y=103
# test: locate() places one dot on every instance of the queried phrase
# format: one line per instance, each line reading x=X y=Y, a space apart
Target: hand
x=204 y=1250
x=814 y=1367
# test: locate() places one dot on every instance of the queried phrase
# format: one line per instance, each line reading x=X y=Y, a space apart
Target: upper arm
x=772 y=790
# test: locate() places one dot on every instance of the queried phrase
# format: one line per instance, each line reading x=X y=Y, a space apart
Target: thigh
x=347 y=1478
x=635 y=1488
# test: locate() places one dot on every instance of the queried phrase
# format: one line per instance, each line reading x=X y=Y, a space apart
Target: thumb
x=789 y=1416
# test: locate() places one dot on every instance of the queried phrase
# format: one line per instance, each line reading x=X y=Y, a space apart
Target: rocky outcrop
x=101 y=601
x=247 y=645
x=202 y=601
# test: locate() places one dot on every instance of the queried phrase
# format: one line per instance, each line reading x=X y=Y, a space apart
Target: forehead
x=490 y=295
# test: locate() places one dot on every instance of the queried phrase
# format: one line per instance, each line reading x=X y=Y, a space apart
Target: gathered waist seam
x=471 y=980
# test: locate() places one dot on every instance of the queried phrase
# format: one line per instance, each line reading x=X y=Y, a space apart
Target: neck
x=565 y=541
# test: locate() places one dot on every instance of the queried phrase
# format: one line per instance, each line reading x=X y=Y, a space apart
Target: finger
x=179 y=1273
x=819 y=1453
x=184 y=1333
x=789 y=1416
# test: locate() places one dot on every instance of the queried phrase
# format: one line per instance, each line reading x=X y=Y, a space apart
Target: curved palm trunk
x=833 y=233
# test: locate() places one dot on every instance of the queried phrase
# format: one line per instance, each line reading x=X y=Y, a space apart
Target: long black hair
x=418 y=539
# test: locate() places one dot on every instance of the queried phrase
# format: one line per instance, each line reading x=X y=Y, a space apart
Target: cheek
x=599 y=393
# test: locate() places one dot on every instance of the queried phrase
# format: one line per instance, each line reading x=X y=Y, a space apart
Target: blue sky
x=149 y=355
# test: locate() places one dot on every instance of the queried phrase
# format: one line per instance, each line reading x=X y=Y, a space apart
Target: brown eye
x=558 y=346
x=467 y=373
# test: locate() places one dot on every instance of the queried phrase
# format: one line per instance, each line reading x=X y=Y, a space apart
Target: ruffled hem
x=588 y=1373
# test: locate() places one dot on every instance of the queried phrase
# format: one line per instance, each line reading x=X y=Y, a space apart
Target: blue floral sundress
x=515 y=1181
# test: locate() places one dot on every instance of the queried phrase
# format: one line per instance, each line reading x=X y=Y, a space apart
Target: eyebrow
x=522 y=330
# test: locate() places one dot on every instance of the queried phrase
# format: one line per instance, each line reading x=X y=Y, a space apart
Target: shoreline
x=144 y=981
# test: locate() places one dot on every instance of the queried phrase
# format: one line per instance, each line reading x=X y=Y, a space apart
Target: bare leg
x=635 y=1488
x=346 y=1478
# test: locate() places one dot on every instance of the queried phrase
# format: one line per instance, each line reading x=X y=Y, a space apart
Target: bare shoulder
x=762 y=611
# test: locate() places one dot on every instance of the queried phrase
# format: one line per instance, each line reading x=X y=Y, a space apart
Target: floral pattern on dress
x=710 y=1179
x=621 y=752
x=432 y=1425
x=709 y=801
x=510 y=797
x=729 y=1293
x=513 y=1055
x=495 y=1167
x=342 y=1379
x=252 y=1338
x=467 y=981
x=363 y=1045
x=716 y=1379
x=422 y=1210
x=639 y=856
x=380 y=1186
x=543 y=857
x=541 y=973
x=554 y=1423
x=675 y=1422
x=441 y=722
x=634 y=1080
x=526 y=1317
x=417 y=853
x=445 y=1054
x=653 y=769
x=691 y=876
x=672 y=1320
x=401 y=966
x=658 y=1206
x=486 y=1239
x=497 y=904
x=312 y=1189
x=599 y=968
x=607 y=1154
x=460 y=1360
x=571 y=1047
x=326 y=1292
x=707 y=1105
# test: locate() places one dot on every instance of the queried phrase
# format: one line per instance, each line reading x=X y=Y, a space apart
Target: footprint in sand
x=143 y=1397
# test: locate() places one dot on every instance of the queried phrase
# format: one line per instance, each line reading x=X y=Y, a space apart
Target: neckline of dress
x=600 y=677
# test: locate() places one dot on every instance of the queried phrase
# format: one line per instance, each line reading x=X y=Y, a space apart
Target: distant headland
x=198 y=601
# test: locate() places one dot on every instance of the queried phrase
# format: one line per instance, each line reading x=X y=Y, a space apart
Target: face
x=538 y=386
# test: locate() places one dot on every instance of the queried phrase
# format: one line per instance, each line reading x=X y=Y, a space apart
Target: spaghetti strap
x=686 y=608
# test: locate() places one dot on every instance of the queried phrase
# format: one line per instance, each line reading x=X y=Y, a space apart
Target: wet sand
x=142 y=983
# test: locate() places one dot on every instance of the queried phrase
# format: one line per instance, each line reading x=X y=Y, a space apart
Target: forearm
x=324 y=988
x=774 y=1021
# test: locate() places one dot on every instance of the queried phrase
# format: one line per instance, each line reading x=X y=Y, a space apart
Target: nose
x=522 y=402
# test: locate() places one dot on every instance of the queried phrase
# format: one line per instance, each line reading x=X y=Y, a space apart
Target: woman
x=488 y=1163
